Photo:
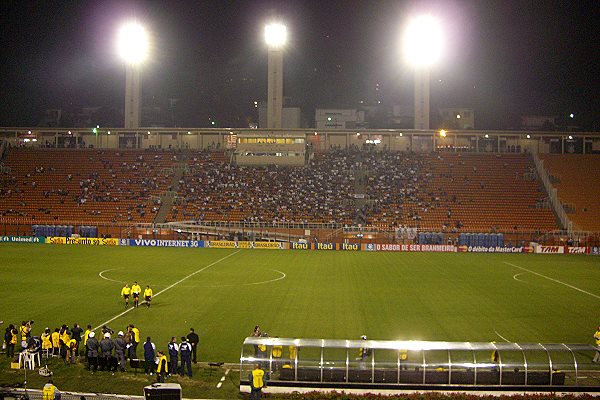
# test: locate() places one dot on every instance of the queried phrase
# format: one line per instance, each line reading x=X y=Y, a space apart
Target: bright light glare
x=275 y=35
x=443 y=133
x=423 y=41
x=133 y=43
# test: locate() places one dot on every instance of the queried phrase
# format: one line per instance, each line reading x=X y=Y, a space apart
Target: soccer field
x=308 y=294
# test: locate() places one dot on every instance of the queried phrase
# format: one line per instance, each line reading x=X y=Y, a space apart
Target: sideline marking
x=516 y=279
x=283 y=276
x=169 y=287
x=222 y=379
x=502 y=337
x=554 y=280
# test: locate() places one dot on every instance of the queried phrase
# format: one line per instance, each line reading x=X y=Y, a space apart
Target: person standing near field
x=185 y=350
x=126 y=292
x=257 y=382
x=597 y=337
x=136 y=290
x=135 y=340
x=162 y=368
x=173 y=354
x=193 y=338
x=148 y=296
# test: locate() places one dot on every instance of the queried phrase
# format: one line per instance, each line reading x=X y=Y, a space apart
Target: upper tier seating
x=578 y=185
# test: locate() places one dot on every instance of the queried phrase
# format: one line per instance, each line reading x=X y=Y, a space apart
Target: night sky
x=503 y=58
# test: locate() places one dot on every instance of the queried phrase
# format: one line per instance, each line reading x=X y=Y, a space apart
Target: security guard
x=136 y=290
x=257 y=382
x=126 y=292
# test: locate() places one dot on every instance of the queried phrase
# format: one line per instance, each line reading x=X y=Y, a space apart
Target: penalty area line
x=554 y=280
x=168 y=287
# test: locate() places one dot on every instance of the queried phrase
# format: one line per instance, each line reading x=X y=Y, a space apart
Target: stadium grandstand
x=352 y=186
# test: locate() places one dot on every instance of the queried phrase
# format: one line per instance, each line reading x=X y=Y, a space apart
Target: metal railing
x=557 y=206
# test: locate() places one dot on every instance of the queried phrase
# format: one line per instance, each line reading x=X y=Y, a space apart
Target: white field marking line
x=100 y=274
x=169 y=287
x=501 y=337
x=222 y=379
x=283 y=276
x=516 y=279
x=554 y=280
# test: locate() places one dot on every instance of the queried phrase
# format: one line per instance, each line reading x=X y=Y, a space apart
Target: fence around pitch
x=285 y=233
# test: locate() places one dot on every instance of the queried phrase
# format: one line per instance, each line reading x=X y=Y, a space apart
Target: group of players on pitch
x=135 y=291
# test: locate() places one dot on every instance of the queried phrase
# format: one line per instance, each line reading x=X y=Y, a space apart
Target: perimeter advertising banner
x=323 y=246
x=436 y=248
x=221 y=244
x=164 y=243
x=232 y=244
x=550 y=249
x=22 y=239
x=83 y=241
x=496 y=249
x=299 y=246
x=577 y=250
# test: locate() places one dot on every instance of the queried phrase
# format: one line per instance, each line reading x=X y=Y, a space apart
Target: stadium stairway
x=168 y=199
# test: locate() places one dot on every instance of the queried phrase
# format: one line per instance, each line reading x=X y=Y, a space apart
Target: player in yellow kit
x=135 y=291
x=126 y=292
x=148 y=295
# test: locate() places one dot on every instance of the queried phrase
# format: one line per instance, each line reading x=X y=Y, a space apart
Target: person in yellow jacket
x=276 y=354
x=135 y=340
x=50 y=392
x=71 y=351
x=597 y=338
x=163 y=367
x=55 y=337
x=86 y=334
x=126 y=292
x=136 y=290
x=46 y=342
x=148 y=295
x=24 y=331
x=257 y=382
x=11 y=340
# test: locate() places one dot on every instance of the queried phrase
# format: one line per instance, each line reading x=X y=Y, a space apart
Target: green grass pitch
x=313 y=294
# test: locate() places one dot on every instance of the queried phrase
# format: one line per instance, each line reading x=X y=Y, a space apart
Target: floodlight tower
x=422 y=49
x=133 y=49
x=275 y=37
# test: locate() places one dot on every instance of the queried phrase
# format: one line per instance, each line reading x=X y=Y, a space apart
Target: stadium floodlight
x=133 y=45
x=422 y=43
x=275 y=35
x=276 y=38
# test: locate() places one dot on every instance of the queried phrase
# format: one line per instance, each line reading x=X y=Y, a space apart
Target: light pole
x=275 y=37
x=422 y=48
x=133 y=49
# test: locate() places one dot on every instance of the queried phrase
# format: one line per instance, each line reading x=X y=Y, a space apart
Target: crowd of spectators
x=89 y=185
x=432 y=191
